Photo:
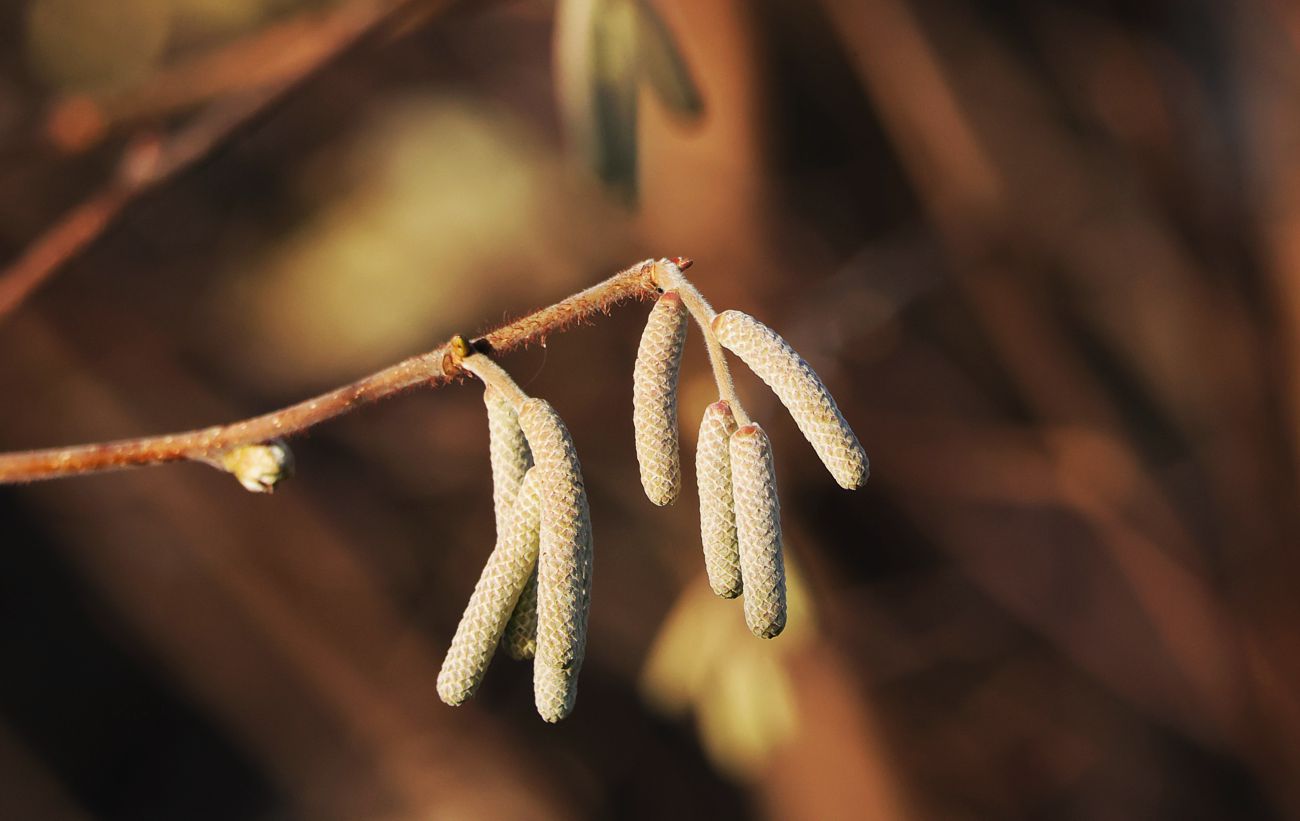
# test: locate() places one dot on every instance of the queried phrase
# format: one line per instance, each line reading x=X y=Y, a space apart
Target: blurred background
x=1044 y=253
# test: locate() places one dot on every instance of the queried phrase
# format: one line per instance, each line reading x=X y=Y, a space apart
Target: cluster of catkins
x=534 y=594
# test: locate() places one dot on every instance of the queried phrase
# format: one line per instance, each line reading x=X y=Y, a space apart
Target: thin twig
x=149 y=160
x=670 y=278
x=437 y=367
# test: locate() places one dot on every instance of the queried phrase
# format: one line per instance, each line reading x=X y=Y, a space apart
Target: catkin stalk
x=717 y=510
x=564 y=562
x=494 y=597
x=800 y=390
x=654 y=399
x=758 y=528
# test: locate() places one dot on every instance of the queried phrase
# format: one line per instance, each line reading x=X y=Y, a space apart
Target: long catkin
x=507 y=452
x=758 y=527
x=494 y=597
x=564 y=562
x=717 y=508
x=800 y=390
x=654 y=399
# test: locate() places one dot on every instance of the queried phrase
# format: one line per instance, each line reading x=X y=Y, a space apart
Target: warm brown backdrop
x=1044 y=253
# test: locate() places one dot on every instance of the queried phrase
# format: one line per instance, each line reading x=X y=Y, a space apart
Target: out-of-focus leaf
x=705 y=661
x=595 y=58
x=616 y=82
x=663 y=66
x=604 y=50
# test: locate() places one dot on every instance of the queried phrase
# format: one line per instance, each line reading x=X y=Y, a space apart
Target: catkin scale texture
x=717 y=510
x=758 y=528
x=654 y=399
x=507 y=452
x=800 y=390
x=564 y=562
x=520 y=640
x=494 y=598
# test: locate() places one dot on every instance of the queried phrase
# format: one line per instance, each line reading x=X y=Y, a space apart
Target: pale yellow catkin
x=800 y=390
x=717 y=510
x=507 y=451
x=564 y=562
x=494 y=597
x=520 y=640
x=260 y=467
x=654 y=399
x=758 y=528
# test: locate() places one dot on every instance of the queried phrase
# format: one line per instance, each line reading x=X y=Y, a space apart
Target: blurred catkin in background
x=1044 y=255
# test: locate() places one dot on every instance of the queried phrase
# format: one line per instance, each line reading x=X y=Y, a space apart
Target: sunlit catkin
x=758 y=528
x=654 y=399
x=800 y=390
x=494 y=598
x=717 y=513
x=508 y=452
x=564 y=563
x=260 y=467
x=520 y=640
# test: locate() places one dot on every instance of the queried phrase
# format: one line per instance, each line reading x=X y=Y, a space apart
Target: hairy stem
x=490 y=373
x=668 y=276
x=431 y=369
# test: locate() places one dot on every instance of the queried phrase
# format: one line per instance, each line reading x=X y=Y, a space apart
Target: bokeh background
x=1044 y=253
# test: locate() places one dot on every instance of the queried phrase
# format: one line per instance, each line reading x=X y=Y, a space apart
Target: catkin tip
x=451 y=696
x=758 y=530
x=769 y=631
x=800 y=389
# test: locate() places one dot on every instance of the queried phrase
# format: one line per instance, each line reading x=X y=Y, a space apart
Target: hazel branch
x=431 y=369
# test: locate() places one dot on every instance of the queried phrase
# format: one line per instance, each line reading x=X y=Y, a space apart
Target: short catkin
x=520 y=640
x=494 y=597
x=507 y=451
x=564 y=562
x=800 y=390
x=758 y=527
x=717 y=511
x=654 y=399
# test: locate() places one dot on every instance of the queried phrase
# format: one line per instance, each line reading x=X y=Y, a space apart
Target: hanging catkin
x=520 y=640
x=494 y=597
x=654 y=399
x=507 y=451
x=564 y=563
x=717 y=511
x=758 y=528
x=800 y=390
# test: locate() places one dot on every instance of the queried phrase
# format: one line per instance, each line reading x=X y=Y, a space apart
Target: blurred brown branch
x=150 y=160
x=437 y=367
